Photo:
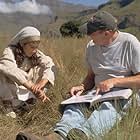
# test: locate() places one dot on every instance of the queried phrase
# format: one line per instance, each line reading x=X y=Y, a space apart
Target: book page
x=120 y=94
x=91 y=98
x=81 y=99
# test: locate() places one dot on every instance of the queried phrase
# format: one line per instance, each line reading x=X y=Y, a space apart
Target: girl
x=24 y=70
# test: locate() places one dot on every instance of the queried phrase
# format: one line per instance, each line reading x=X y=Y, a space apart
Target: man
x=113 y=60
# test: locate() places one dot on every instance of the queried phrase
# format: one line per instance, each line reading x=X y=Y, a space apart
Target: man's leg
x=73 y=117
x=103 y=119
x=29 y=136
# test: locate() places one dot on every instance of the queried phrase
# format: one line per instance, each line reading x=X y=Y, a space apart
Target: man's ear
x=108 y=33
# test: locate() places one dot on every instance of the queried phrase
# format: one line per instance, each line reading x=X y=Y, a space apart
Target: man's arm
x=89 y=81
x=87 y=84
x=126 y=82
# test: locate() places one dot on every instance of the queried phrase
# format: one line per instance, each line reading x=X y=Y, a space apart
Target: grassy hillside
x=11 y=22
x=127 y=15
x=131 y=11
x=68 y=55
x=44 y=116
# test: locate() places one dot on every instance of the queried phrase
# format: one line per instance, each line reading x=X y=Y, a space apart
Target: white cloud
x=27 y=6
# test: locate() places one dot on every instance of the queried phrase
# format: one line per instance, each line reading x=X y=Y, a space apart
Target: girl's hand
x=39 y=86
x=42 y=96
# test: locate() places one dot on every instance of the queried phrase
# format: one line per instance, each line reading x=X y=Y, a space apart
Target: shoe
x=28 y=136
x=77 y=134
x=55 y=136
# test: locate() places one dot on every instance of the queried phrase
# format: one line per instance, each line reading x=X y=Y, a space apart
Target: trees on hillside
x=70 y=29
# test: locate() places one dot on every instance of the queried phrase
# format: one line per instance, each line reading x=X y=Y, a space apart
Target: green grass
x=68 y=55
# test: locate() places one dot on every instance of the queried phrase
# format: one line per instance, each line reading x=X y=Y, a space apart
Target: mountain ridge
x=12 y=22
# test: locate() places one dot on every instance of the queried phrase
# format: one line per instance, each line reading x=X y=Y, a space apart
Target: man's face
x=31 y=48
x=99 y=37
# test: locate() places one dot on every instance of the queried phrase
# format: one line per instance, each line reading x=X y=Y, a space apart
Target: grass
x=68 y=55
x=128 y=128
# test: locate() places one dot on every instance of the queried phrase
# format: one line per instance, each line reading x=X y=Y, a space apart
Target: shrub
x=70 y=29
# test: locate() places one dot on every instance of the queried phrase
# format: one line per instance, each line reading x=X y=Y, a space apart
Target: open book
x=92 y=99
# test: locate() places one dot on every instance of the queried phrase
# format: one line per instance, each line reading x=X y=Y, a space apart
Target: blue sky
x=87 y=2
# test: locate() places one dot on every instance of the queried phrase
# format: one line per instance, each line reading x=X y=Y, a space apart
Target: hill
x=15 y=15
x=127 y=13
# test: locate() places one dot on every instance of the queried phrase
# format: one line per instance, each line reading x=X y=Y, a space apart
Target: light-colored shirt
x=9 y=68
x=121 y=58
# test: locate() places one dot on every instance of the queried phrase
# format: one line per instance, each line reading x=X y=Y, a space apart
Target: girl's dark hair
x=20 y=55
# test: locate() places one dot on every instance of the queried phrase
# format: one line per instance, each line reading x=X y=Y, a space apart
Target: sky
x=26 y=6
x=88 y=2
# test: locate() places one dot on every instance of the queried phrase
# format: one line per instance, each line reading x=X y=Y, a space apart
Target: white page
x=90 y=97
x=121 y=94
x=81 y=99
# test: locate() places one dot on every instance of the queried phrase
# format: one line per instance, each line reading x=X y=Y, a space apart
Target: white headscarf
x=25 y=32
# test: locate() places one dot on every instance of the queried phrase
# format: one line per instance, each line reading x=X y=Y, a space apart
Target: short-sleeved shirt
x=121 y=58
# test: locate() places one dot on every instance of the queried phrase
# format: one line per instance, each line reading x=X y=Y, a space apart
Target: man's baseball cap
x=100 y=21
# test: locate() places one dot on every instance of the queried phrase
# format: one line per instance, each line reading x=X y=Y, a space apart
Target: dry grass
x=68 y=55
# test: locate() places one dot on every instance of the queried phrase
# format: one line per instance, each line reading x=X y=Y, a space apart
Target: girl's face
x=31 y=48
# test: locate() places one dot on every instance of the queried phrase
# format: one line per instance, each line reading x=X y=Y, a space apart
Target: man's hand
x=77 y=90
x=105 y=86
x=39 y=86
